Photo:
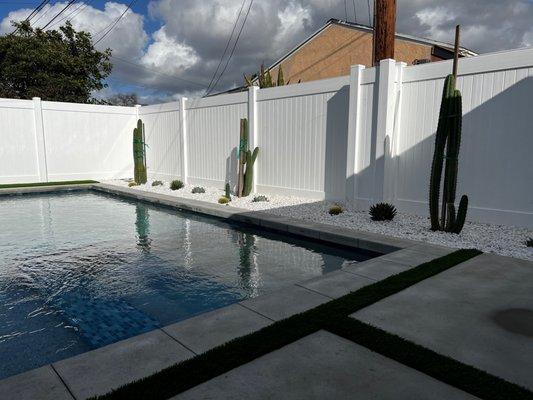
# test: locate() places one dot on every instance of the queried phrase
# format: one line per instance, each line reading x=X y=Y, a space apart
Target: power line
x=59 y=13
x=226 y=49
x=233 y=49
x=157 y=72
x=33 y=13
x=66 y=17
x=115 y=23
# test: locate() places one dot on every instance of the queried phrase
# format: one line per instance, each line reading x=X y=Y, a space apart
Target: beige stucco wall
x=336 y=48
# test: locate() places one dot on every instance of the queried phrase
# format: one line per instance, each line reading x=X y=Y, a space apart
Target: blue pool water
x=82 y=270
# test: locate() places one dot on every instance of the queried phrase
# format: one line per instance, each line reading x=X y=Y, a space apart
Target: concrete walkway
x=323 y=366
x=479 y=312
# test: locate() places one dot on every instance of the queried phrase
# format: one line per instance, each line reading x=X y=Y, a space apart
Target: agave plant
x=382 y=212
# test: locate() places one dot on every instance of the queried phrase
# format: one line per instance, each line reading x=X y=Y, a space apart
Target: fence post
x=253 y=132
x=356 y=72
x=183 y=141
x=40 y=140
x=384 y=129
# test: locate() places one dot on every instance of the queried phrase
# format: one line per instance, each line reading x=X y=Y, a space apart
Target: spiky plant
x=157 y=183
x=132 y=184
x=227 y=191
x=176 y=184
x=139 y=154
x=223 y=200
x=249 y=172
x=197 y=189
x=259 y=198
x=447 y=143
x=335 y=210
x=529 y=242
x=382 y=212
x=264 y=78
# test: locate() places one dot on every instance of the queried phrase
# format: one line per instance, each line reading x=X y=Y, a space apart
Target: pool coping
x=188 y=337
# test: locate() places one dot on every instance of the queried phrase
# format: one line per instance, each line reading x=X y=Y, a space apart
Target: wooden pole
x=456 y=51
x=384 y=30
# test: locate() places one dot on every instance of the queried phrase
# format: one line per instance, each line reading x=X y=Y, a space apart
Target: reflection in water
x=248 y=270
x=142 y=226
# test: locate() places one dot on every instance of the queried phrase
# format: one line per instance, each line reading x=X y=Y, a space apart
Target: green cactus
x=249 y=173
x=139 y=154
x=447 y=141
x=227 y=191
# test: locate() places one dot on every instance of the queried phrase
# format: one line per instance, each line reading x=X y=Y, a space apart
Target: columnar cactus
x=447 y=139
x=139 y=152
x=249 y=173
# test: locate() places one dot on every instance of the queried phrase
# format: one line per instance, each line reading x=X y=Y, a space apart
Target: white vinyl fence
x=362 y=138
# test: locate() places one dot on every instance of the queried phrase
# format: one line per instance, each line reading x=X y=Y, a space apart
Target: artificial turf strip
x=462 y=376
x=36 y=184
x=221 y=359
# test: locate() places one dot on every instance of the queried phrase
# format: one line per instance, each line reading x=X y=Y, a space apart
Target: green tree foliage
x=56 y=65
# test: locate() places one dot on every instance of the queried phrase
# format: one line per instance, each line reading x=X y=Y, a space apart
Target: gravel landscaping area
x=489 y=238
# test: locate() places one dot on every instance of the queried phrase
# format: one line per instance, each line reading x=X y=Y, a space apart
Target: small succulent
x=197 y=189
x=529 y=242
x=132 y=183
x=335 y=209
x=259 y=198
x=223 y=200
x=382 y=212
x=176 y=185
x=157 y=183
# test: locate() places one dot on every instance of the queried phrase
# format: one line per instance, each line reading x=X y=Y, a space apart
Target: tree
x=57 y=65
x=123 y=99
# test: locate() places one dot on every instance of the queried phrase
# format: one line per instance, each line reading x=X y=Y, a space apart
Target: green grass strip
x=465 y=377
x=221 y=359
x=37 y=184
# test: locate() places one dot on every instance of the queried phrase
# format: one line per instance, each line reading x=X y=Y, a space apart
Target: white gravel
x=490 y=238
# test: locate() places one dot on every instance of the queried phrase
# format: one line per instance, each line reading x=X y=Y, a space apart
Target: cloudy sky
x=164 y=49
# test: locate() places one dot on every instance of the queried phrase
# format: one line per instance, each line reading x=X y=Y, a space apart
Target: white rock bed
x=490 y=238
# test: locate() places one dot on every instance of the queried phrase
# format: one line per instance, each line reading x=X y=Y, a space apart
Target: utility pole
x=384 y=30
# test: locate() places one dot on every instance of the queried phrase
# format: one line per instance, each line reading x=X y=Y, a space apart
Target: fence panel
x=302 y=133
x=213 y=137
x=162 y=135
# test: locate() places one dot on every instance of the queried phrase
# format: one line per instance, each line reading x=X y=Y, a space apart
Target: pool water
x=83 y=270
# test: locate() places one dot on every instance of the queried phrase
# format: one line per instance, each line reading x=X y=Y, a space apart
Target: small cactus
x=176 y=185
x=249 y=173
x=335 y=210
x=257 y=199
x=227 y=191
x=382 y=212
x=198 y=189
x=132 y=183
x=223 y=200
x=157 y=183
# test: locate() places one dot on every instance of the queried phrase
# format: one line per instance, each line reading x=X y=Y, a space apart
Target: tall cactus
x=139 y=152
x=447 y=140
x=249 y=173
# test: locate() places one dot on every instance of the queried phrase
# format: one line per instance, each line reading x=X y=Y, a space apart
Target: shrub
x=529 y=242
x=335 y=209
x=382 y=212
x=198 y=189
x=132 y=183
x=176 y=185
x=257 y=199
x=223 y=200
x=157 y=183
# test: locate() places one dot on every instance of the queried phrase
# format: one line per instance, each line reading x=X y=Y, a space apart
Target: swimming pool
x=82 y=270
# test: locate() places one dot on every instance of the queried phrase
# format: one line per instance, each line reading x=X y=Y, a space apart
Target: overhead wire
x=112 y=26
x=59 y=13
x=225 y=49
x=233 y=49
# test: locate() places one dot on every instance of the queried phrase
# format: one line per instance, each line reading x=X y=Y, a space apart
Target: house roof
x=464 y=52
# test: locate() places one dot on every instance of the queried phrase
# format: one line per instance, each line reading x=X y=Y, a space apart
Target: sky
x=166 y=49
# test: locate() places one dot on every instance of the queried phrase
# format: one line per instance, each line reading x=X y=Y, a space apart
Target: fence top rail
x=159 y=108
x=16 y=103
x=219 y=100
x=491 y=62
x=303 y=89
x=91 y=108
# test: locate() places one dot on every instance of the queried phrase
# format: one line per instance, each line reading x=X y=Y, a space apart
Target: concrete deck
x=479 y=312
x=323 y=366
